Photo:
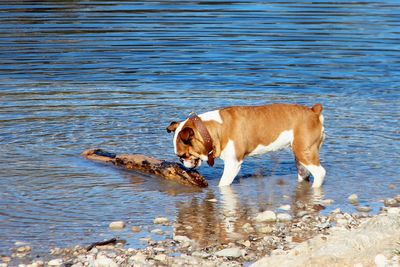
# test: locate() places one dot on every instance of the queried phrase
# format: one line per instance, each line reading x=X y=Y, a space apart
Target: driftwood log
x=168 y=170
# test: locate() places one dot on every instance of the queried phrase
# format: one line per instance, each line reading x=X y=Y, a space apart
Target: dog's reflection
x=210 y=223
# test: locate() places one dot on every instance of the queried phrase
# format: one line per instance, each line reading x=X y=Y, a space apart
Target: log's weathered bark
x=168 y=170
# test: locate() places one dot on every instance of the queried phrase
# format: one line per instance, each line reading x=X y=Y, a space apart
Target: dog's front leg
x=231 y=169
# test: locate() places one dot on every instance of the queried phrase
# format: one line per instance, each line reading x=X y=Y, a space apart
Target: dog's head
x=188 y=144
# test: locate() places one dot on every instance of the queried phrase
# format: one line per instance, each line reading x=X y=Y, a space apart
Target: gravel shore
x=290 y=236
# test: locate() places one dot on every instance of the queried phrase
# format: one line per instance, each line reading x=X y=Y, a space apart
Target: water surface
x=113 y=74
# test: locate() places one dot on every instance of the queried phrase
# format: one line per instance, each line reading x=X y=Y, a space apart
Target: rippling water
x=113 y=74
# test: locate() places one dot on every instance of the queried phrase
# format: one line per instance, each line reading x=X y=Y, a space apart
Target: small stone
x=139 y=258
x=380 y=260
x=161 y=220
x=6 y=259
x=392 y=186
x=364 y=209
x=157 y=231
x=353 y=198
x=284 y=217
x=161 y=257
x=327 y=202
x=55 y=262
x=117 y=225
x=337 y=210
x=24 y=249
x=397 y=198
x=212 y=200
x=284 y=207
x=136 y=229
x=200 y=254
x=393 y=210
x=104 y=261
x=182 y=238
x=265 y=230
x=390 y=202
x=229 y=252
x=247 y=243
x=266 y=216
x=37 y=264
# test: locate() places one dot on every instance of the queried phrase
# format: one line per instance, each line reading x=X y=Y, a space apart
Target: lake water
x=114 y=74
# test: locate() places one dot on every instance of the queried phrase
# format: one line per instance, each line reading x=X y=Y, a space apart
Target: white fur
x=231 y=164
x=211 y=116
x=318 y=172
x=285 y=139
x=178 y=129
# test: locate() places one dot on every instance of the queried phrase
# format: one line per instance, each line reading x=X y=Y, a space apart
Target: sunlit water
x=113 y=74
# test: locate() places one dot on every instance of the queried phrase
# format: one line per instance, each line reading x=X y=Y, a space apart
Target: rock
x=161 y=257
x=104 y=261
x=24 y=249
x=55 y=262
x=200 y=254
x=327 y=202
x=161 y=220
x=353 y=198
x=247 y=243
x=265 y=230
x=37 y=264
x=117 y=225
x=392 y=186
x=284 y=217
x=135 y=229
x=139 y=258
x=229 y=252
x=394 y=211
x=157 y=231
x=397 y=198
x=284 y=207
x=380 y=260
x=364 y=209
x=390 y=202
x=182 y=239
x=212 y=200
x=266 y=216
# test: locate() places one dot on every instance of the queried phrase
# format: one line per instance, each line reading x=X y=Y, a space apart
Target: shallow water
x=113 y=74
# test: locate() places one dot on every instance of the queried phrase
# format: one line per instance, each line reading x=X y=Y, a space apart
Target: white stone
x=327 y=202
x=353 y=198
x=139 y=258
x=212 y=200
x=200 y=254
x=157 y=231
x=182 y=239
x=284 y=217
x=284 y=207
x=380 y=260
x=266 y=216
x=55 y=262
x=117 y=225
x=161 y=220
x=230 y=252
x=103 y=261
x=265 y=230
x=161 y=257
x=393 y=211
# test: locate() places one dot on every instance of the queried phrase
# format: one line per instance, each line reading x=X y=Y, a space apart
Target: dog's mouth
x=191 y=163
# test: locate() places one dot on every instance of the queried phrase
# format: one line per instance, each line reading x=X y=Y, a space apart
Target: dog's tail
x=317 y=108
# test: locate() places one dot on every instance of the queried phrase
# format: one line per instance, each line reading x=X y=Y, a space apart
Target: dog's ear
x=186 y=135
x=172 y=127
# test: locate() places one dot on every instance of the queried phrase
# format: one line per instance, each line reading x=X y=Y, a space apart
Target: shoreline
x=276 y=238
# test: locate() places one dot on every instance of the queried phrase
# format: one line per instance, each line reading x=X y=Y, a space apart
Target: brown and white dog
x=233 y=133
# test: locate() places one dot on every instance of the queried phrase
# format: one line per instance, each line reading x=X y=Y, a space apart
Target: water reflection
x=229 y=219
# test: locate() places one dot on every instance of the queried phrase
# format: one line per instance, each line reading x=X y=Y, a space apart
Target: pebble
x=212 y=200
x=364 y=209
x=247 y=243
x=24 y=249
x=201 y=254
x=161 y=257
x=393 y=211
x=380 y=260
x=266 y=216
x=229 y=252
x=284 y=207
x=397 y=198
x=327 y=202
x=284 y=217
x=104 y=261
x=157 y=232
x=136 y=229
x=117 y=225
x=139 y=258
x=55 y=262
x=353 y=198
x=161 y=220
x=182 y=239
x=390 y=202
x=265 y=230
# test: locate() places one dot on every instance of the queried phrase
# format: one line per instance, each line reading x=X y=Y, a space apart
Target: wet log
x=148 y=165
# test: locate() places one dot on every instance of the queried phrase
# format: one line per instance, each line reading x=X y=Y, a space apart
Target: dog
x=233 y=133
